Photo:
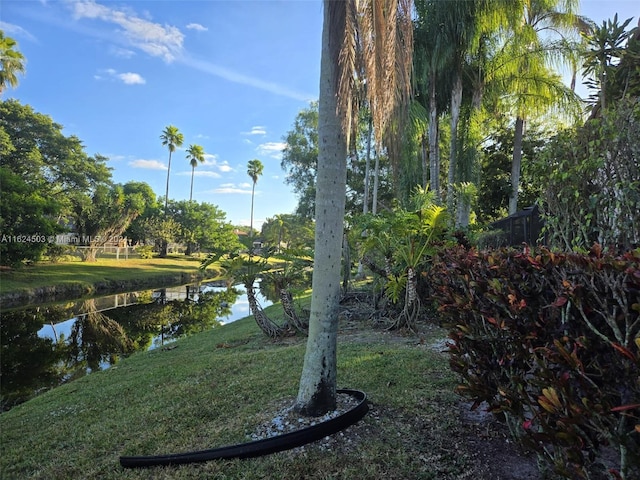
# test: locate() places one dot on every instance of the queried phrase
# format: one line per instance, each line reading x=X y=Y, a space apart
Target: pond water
x=45 y=346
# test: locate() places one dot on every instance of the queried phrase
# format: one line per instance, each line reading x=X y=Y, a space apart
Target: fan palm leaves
x=11 y=62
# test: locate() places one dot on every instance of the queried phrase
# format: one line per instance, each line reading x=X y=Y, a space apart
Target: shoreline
x=72 y=291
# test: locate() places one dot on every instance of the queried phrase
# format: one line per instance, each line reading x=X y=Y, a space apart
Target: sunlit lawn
x=89 y=273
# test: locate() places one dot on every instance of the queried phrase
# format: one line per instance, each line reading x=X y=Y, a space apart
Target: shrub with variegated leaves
x=552 y=342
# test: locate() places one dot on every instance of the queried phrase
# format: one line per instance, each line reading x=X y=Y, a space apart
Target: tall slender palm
x=254 y=170
x=532 y=85
x=195 y=154
x=11 y=62
x=171 y=138
x=384 y=27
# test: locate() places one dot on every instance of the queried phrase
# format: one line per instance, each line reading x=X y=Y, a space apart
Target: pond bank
x=54 y=293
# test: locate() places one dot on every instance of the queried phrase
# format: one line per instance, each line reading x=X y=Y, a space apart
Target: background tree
x=11 y=62
x=300 y=159
x=532 y=88
x=254 y=170
x=172 y=139
x=203 y=226
x=195 y=154
x=289 y=231
x=43 y=174
x=104 y=216
x=604 y=51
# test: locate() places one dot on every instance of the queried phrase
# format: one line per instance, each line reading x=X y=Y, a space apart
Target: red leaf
x=622 y=408
x=560 y=301
x=624 y=351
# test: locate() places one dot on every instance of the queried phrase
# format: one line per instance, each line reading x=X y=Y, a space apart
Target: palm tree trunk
x=516 y=165
x=267 y=326
x=253 y=187
x=286 y=300
x=376 y=183
x=456 y=102
x=193 y=169
x=434 y=154
x=317 y=391
x=367 y=168
x=166 y=194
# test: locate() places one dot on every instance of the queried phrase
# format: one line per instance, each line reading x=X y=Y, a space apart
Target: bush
x=145 y=251
x=552 y=341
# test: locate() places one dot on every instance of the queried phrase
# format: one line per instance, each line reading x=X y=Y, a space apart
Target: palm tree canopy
x=254 y=169
x=11 y=62
x=195 y=154
x=172 y=138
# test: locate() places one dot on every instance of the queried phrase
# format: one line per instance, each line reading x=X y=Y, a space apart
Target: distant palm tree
x=195 y=154
x=254 y=170
x=171 y=138
x=11 y=62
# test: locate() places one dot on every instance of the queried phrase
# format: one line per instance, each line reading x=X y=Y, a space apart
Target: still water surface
x=45 y=346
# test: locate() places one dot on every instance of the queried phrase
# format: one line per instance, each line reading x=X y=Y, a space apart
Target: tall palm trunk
x=376 y=183
x=253 y=188
x=456 y=103
x=317 y=391
x=516 y=165
x=367 y=168
x=193 y=170
x=434 y=154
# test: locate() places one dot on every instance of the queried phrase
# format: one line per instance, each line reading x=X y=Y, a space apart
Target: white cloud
x=206 y=173
x=271 y=149
x=225 y=167
x=121 y=52
x=197 y=26
x=163 y=41
x=148 y=164
x=257 y=130
x=235 y=77
x=16 y=31
x=200 y=173
x=210 y=159
x=131 y=78
x=227 y=188
x=128 y=78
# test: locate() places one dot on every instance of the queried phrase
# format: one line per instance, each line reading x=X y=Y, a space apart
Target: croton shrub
x=551 y=342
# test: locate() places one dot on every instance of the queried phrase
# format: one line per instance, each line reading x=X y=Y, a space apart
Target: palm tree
x=254 y=170
x=195 y=154
x=385 y=28
x=533 y=87
x=171 y=138
x=11 y=62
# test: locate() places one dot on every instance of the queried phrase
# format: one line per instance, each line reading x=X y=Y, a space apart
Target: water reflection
x=42 y=347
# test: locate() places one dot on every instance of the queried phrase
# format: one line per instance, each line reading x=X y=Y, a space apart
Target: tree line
x=51 y=186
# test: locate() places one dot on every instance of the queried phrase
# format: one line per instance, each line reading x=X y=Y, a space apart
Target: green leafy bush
x=145 y=251
x=552 y=342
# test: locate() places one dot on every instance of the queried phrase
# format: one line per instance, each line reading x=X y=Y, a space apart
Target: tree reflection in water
x=31 y=364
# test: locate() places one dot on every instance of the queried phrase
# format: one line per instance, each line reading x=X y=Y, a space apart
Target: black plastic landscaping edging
x=261 y=447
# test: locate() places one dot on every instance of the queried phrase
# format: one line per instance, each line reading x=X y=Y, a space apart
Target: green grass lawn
x=87 y=274
x=214 y=388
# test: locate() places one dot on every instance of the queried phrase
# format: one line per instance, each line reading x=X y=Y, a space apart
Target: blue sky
x=231 y=75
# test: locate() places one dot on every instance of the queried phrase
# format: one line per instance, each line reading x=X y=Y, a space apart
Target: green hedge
x=552 y=342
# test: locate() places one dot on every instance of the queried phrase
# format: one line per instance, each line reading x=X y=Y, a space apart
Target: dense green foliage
x=551 y=341
x=44 y=176
x=592 y=177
